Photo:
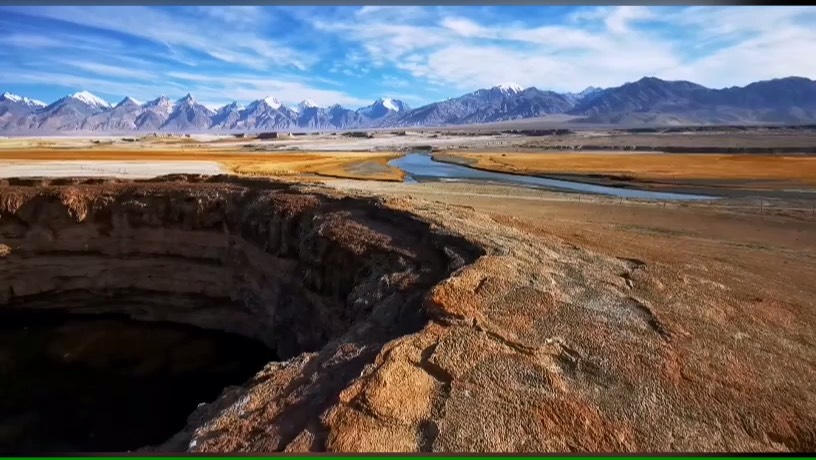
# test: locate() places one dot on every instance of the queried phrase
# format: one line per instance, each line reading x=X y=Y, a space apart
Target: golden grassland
x=648 y=166
x=349 y=165
x=373 y=167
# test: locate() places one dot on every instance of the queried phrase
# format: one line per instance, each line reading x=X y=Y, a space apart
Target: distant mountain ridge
x=649 y=100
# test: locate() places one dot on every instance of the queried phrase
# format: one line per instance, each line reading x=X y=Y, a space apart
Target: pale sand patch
x=122 y=169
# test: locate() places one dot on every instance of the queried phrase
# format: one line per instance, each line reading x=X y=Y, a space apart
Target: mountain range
x=647 y=101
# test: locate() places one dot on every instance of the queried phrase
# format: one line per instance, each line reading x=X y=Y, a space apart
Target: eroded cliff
x=291 y=270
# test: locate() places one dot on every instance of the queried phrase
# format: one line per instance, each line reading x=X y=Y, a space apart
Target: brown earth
x=584 y=326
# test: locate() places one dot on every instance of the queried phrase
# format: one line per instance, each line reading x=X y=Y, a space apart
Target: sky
x=352 y=55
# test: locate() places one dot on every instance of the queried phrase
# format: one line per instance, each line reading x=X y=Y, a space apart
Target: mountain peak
x=271 y=102
x=646 y=79
x=159 y=100
x=392 y=104
x=384 y=106
x=128 y=101
x=90 y=99
x=508 y=88
x=10 y=97
x=780 y=100
x=306 y=104
x=7 y=96
x=234 y=105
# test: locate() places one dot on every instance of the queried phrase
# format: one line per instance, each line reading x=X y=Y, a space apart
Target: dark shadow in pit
x=91 y=383
x=296 y=270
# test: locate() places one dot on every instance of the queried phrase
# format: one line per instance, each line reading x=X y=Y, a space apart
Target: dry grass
x=651 y=166
x=372 y=167
x=347 y=165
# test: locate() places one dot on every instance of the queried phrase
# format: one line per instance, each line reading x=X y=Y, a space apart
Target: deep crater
x=126 y=305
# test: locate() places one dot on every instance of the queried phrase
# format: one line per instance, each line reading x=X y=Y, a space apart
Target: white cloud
x=29 y=41
x=106 y=70
x=603 y=46
x=464 y=27
x=238 y=45
x=619 y=19
x=772 y=54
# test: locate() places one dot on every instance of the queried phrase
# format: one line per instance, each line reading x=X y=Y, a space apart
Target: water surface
x=420 y=166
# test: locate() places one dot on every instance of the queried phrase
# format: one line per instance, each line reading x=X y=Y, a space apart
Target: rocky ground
x=592 y=327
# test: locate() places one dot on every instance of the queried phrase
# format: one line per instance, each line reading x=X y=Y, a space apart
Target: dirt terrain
x=451 y=317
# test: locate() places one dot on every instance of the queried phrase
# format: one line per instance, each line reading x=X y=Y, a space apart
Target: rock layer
x=291 y=270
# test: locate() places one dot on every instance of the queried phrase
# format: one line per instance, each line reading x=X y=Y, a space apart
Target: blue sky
x=353 y=55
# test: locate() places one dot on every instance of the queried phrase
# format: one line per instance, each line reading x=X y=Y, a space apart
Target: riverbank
x=723 y=175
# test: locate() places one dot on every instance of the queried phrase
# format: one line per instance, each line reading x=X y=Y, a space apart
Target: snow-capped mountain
x=65 y=114
x=499 y=103
x=14 y=110
x=188 y=115
x=10 y=97
x=268 y=102
x=305 y=104
x=122 y=117
x=652 y=100
x=265 y=114
x=383 y=107
x=508 y=88
x=90 y=99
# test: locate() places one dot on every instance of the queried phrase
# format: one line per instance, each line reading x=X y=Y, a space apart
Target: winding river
x=419 y=166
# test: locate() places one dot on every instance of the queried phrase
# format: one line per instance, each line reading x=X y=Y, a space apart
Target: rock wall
x=292 y=270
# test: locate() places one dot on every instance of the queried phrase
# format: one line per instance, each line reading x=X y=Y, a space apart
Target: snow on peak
x=389 y=104
x=90 y=99
x=305 y=104
x=15 y=98
x=11 y=97
x=272 y=102
x=509 y=88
